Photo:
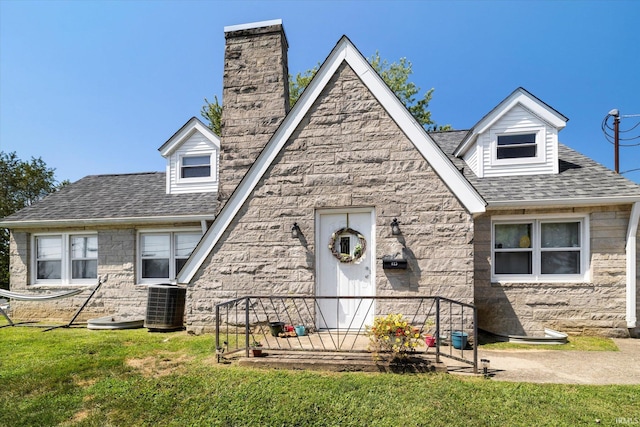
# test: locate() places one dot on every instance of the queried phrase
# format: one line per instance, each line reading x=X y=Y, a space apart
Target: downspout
x=632 y=277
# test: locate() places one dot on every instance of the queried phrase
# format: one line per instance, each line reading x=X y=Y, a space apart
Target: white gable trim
x=518 y=97
x=344 y=51
x=183 y=134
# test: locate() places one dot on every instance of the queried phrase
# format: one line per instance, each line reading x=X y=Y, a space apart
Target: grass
x=76 y=377
x=578 y=343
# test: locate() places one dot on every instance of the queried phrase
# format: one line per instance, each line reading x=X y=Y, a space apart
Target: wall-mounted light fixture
x=395 y=227
x=295 y=231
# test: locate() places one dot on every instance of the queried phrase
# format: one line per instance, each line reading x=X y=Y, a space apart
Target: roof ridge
x=125 y=174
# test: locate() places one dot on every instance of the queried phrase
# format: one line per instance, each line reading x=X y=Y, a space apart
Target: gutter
x=15 y=225
x=562 y=202
x=632 y=276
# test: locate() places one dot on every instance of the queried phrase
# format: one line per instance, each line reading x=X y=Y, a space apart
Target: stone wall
x=596 y=307
x=347 y=152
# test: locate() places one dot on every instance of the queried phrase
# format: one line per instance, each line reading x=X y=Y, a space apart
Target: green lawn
x=76 y=377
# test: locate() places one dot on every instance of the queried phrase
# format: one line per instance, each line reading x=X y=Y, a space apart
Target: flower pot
x=276 y=328
x=300 y=330
x=256 y=352
x=459 y=339
x=430 y=341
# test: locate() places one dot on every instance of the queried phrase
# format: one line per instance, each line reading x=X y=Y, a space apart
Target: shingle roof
x=580 y=178
x=112 y=197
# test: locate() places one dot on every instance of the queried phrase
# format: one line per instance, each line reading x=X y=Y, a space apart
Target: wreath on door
x=336 y=247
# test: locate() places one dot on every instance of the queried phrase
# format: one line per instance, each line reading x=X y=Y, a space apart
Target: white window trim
x=172 y=272
x=541 y=155
x=65 y=264
x=212 y=167
x=536 y=276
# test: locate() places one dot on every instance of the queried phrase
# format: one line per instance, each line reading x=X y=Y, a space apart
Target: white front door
x=347 y=270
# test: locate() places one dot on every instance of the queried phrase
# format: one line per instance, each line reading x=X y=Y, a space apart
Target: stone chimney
x=255 y=96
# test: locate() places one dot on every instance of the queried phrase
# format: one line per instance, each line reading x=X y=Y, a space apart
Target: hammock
x=48 y=297
x=40 y=297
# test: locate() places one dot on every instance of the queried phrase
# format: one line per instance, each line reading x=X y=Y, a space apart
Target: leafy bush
x=393 y=334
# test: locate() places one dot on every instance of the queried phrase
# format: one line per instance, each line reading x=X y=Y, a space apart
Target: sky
x=96 y=87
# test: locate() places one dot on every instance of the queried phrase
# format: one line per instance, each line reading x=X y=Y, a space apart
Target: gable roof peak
x=189 y=128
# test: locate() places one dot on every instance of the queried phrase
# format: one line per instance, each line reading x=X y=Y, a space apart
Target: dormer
x=192 y=155
x=518 y=137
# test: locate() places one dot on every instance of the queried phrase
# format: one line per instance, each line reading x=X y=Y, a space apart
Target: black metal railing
x=338 y=324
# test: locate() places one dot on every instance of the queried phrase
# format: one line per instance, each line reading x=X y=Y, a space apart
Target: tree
x=395 y=74
x=212 y=112
x=21 y=184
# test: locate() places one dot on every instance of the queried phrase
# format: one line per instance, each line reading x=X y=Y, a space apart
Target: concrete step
x=341 y=362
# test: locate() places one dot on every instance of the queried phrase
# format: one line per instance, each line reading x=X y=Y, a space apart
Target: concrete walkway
x=565 y=367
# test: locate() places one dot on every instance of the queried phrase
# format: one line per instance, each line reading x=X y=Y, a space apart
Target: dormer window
x=516 y=146
x=518 y=137
x=195 y=167
x=523 y=147
x=192 y=156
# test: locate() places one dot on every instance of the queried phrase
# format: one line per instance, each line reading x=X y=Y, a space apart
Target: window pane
x=84 y=269
x=155 y=245
x=516 y=152
x=561 y=235
x=196 y=161
x=49 y=269
x=529 y=138
x=179 y=264
x=155 y=268
x=196 y=172
x=345 y=245
x=513 y=263
x=84 y=247
x=185 y=243
x=565 y=262
x=49 y=247
x=512 y=236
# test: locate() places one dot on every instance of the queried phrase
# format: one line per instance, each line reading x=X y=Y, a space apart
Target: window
x=163 y=254
x=540 y=249
x=49 y=258
x=195 y=167
x=65 y=258
x=516 y=146
x=84 y=257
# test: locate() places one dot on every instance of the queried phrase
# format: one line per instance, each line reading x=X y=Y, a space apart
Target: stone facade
x=347 y=152
x=596 y=307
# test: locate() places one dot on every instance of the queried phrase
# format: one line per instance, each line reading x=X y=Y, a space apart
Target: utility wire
x=630 y=170
x=610 y=138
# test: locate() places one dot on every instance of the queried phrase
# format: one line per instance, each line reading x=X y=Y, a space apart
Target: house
x=311 y=200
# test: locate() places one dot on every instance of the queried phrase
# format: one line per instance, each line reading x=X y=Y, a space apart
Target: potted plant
x=256 y=348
